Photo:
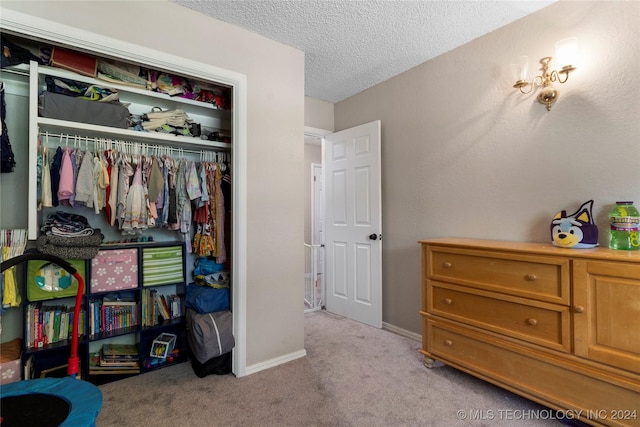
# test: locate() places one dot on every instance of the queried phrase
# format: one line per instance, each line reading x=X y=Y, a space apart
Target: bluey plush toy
x=577 y=230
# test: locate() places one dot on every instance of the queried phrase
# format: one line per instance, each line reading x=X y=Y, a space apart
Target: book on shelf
x=114 y=370
x=150 y=309
x=64 y=325
x=98 y=366
x=118 y=302
x=119 y=363
x=161 y=305
x=123 y=352
x=165 y=306
x=116 y=72
x=111 y=79
x=107 y=315
x=175 y=303
x=156 y=305
x=57 y=317
x=50 y=324
x=71 y=60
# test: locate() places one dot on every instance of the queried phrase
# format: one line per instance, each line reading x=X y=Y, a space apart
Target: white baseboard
x=400 y=331
x=275 y=362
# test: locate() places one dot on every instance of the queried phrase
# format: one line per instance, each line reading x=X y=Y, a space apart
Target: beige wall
x=464 y=154
x=275 y=80
x=318 y=114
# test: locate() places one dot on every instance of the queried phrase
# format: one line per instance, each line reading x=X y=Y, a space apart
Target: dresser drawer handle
x=531 y=277
x=448 y=301
x=579 y=309
x=448 y=343
x=447 y=264
x=532 y=322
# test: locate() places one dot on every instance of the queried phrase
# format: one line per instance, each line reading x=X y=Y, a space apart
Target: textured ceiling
x=351 y=45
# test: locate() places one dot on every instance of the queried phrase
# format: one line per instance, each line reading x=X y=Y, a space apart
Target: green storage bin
x=46 y=280
x=162 y=266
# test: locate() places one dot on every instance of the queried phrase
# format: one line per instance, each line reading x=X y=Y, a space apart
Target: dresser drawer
x=531 y=374
x=533 y=321
x=529 y=276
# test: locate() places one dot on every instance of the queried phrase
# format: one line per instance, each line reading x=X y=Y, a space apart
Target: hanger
x=45 y=151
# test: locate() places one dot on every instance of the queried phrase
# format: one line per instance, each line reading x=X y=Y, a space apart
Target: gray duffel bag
x=209 y=334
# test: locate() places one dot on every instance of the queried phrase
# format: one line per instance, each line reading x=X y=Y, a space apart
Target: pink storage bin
x=10 y=364
x=114 y=270
x=10 y=372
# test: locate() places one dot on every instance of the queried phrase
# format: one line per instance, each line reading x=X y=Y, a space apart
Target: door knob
x=373 y=236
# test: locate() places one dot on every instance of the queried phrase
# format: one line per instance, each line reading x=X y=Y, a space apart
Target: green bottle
x=625 y=227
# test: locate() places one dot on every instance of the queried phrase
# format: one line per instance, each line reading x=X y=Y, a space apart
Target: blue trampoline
x=49 y=402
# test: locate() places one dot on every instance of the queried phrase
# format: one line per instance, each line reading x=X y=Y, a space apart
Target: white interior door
x=353 y=223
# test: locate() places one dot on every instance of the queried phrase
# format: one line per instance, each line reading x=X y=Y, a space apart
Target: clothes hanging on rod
x=139 y=187
x=7 y=158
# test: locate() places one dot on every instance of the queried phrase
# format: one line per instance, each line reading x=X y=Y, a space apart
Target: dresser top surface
x=536 y=248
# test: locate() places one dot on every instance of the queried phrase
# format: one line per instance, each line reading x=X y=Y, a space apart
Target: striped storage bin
x=162 y=266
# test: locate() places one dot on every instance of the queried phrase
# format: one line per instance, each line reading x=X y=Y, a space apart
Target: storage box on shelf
x=554 y=325
x=10 y=361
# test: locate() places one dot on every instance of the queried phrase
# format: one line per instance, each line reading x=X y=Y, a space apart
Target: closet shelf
x=59 y=72
x=97 y=131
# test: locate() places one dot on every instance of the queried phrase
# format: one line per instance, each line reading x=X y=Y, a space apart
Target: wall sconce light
x=565 y=52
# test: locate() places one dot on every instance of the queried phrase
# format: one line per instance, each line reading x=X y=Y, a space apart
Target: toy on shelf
x=163 y=345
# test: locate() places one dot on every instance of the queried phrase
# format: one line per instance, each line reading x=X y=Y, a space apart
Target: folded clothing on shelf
x=67 y=224
x=69 y=236
x=84 y=247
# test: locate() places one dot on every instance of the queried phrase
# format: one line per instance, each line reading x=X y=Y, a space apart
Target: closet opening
x=64 y=133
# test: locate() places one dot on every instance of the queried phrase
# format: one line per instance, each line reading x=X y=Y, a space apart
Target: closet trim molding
x=44 y=30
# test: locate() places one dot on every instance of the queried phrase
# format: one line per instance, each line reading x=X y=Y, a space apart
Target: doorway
x=314 y=251
x=351 y=226
x=314 y=219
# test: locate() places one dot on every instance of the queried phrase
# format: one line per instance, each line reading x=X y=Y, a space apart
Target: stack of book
x=108 y=315
x=157 y=307
x=116 y=359
x=50 y=324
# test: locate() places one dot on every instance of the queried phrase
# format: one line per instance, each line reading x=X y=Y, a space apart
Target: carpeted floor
x=353 y=375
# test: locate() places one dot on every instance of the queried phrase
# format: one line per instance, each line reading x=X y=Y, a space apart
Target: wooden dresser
x=558 y=326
